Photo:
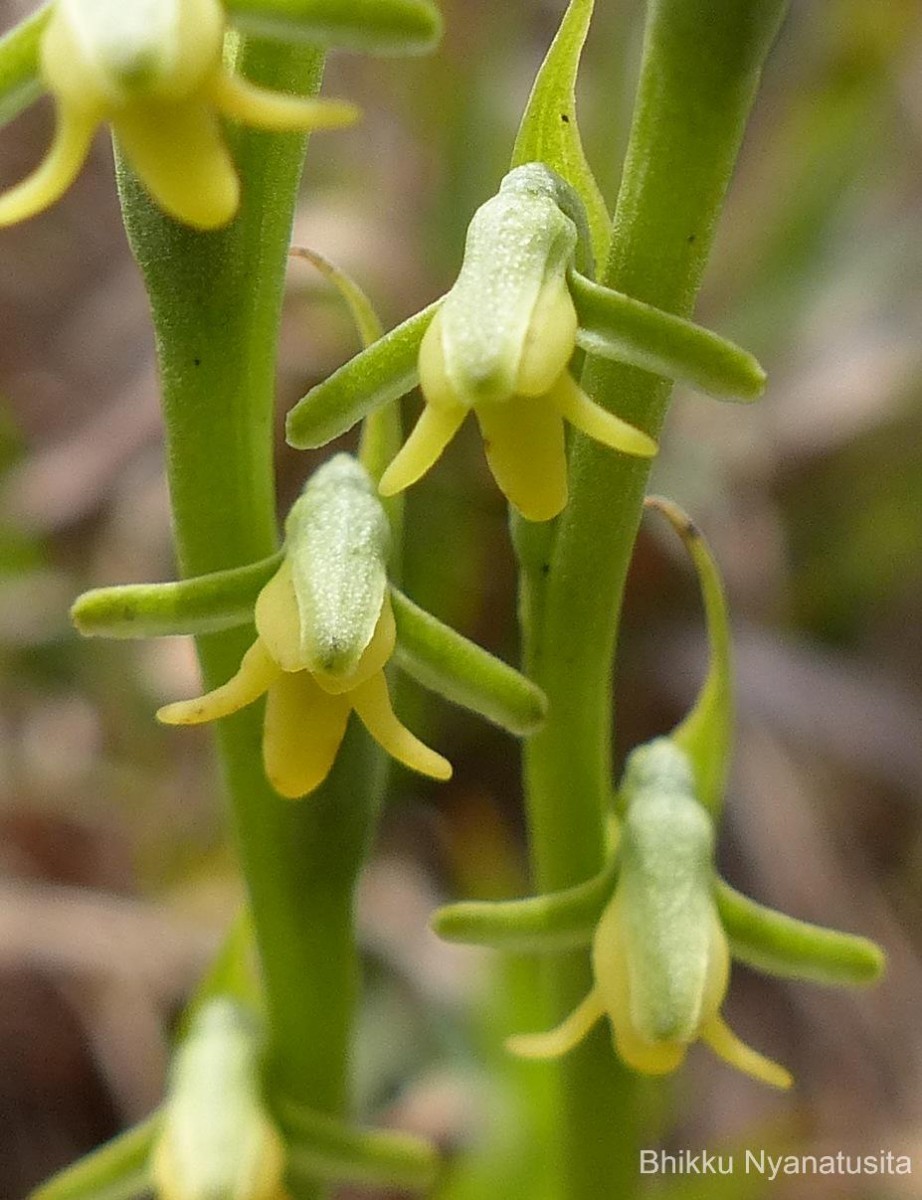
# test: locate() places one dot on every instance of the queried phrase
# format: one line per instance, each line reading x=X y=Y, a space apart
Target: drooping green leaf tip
x=706 y=732
x=387 y=27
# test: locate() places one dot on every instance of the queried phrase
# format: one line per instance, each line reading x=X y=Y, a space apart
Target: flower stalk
x=216 y=301
x=699 y=75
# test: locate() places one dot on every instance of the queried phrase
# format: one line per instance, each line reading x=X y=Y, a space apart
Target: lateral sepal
x=446 y=662
x=203 y=604
x=781 y=945
x=545 y=924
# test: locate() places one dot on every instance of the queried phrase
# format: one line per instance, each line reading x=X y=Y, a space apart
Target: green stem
x=216 y=302
x=699 y=74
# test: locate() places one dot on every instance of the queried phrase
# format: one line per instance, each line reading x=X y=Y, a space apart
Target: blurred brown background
x=115 y=875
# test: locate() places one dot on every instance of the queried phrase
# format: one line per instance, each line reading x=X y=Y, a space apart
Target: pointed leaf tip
x=549 y=132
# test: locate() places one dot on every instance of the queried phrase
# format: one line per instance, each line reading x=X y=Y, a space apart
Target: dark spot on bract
x=565 y=118
x=197 y=362
x=691 y=238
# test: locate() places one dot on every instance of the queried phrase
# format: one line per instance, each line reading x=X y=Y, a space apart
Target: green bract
x=660 y=922
x=549 y=133
x=20 y=85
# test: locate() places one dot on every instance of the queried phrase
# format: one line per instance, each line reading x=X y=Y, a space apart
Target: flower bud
x=217 y=1141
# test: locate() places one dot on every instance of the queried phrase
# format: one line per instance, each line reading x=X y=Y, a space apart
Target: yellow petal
x=723 y=1041
x=57 y=170
x=243 y=101
x=549 y=341
x=257 y=672
x=374 y=656
x=560 y=1040
x=179 y=153
x=303 y=731
x=650 y=1058
x=524 y=443
x=278 y=621
x=593 y=420
x=431 y=434
x=373 y=704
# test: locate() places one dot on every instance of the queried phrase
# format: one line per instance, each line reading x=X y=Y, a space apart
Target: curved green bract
x=381 y=431
x=372 y=26
x=618 y=327
x=445 y=662
x=20 y=83
x=384 y=372
x=549 y=132
x=706 y=733
x=203 y=604
x=321 y=1147
x=782 y=945
x=119 y=1170
x=544 y=924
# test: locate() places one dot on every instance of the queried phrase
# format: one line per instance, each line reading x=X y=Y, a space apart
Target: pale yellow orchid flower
x=155 y=71
x=500 y=345
x=660 y=957
x=309 y=700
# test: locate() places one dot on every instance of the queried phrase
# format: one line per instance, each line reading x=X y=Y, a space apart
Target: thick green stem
x=699 y=74
x=216 y=301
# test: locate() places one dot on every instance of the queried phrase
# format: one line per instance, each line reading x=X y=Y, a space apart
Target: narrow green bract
x=549 y=132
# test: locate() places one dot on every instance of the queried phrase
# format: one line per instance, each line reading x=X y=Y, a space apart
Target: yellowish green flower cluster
x=325 y=630
x=500 y=345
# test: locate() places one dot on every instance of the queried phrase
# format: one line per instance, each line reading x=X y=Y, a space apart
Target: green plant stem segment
x=699 y=74
x=216 y=301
